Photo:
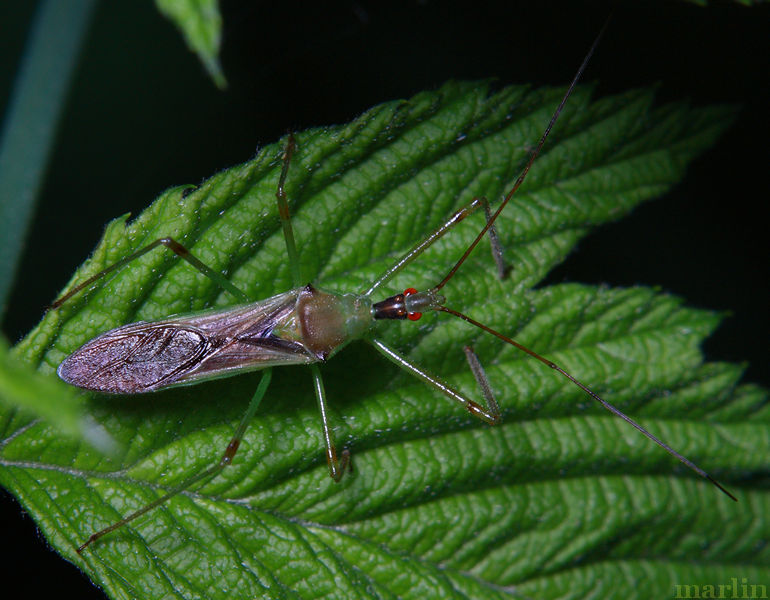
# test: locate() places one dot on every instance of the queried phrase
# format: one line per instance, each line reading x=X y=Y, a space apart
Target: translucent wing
x=143 y=357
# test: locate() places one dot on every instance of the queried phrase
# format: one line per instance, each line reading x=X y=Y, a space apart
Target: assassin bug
x=304 y=325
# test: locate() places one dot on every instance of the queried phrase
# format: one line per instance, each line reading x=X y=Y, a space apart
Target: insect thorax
x=328 y=321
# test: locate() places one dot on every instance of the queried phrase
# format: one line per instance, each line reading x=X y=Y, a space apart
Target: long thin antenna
x=491 y=220
x=531 y=160
x=615 y=411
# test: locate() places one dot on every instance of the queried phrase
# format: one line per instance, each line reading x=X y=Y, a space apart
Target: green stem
x=38 y=96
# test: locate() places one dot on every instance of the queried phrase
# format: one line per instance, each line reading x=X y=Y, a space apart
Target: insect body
x=302 y=326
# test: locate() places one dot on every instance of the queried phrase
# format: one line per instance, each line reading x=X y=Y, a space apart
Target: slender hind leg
x=225 y=460
x=232 y=447
x=337 y=466
x=235 y=442
x=196 y=263
x=172 y=245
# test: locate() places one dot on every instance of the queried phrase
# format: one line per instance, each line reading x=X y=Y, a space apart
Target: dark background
x=143 y=116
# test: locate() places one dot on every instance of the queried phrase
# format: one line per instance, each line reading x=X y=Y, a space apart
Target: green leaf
x=40 y=395
x=201 y=24
x=561 y=500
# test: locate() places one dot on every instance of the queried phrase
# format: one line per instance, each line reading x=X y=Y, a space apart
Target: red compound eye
x=412 y=316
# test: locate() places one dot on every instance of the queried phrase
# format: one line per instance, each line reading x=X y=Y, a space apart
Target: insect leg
x=172 y=245
x=336 y=467
x=482 y=380
x=494 y=241
x=520 y=179
x=184 y=253
x=432 y=237
x=225 y=460
x=283 y=212
x=611 y=408
x=491 y=414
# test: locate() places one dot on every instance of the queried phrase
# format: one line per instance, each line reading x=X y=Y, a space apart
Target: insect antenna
x=590 y=392
x=437 y=304
x=532 y=157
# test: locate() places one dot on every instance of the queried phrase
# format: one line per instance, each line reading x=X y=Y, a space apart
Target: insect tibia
x=493 y=409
